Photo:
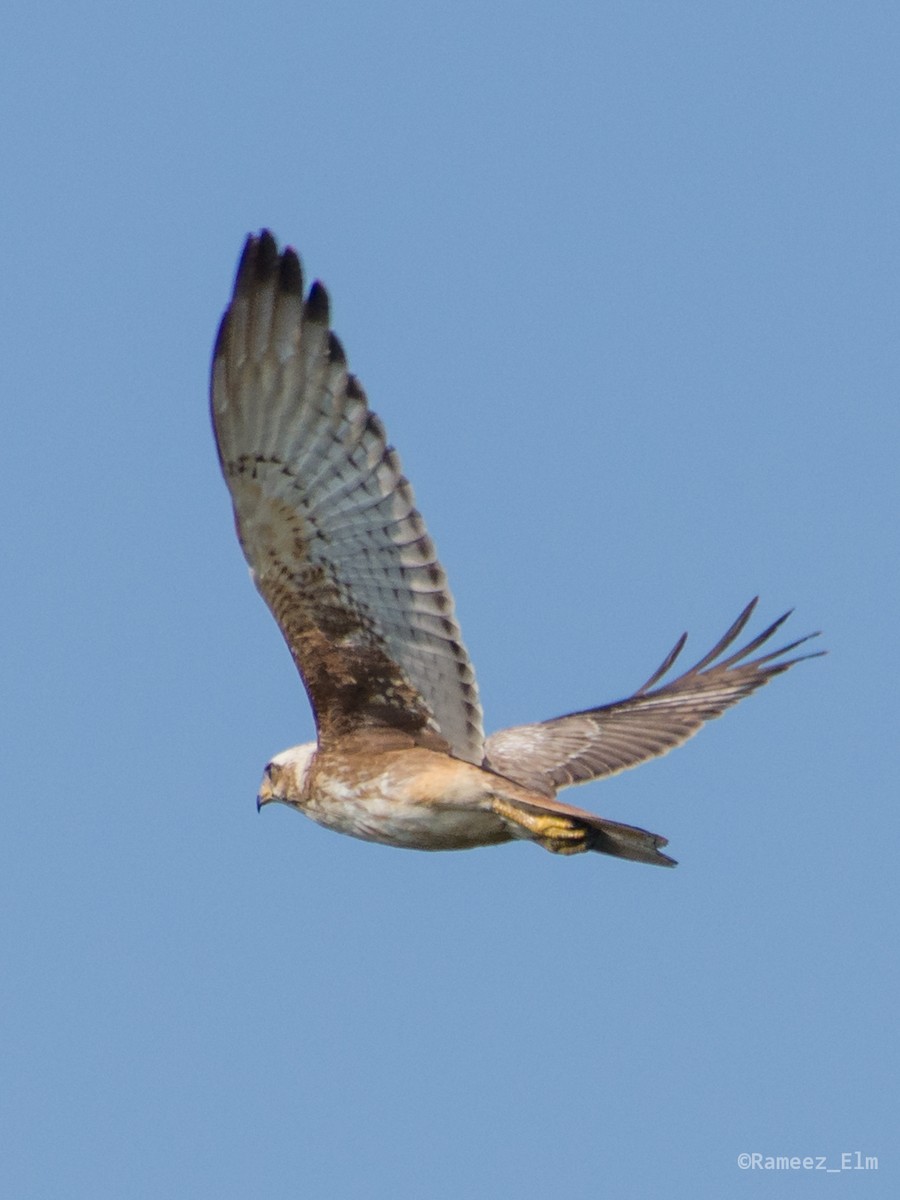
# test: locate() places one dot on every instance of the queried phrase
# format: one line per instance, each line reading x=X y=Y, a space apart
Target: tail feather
x=627 y=841
x=563 y=829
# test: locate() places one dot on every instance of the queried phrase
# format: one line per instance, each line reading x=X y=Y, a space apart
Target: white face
x=286 y=774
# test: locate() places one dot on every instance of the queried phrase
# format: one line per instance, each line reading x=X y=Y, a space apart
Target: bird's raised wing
x=603 y=741
x=328 y=522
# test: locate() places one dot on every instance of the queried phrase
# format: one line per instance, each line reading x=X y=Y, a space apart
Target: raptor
x=342 y=557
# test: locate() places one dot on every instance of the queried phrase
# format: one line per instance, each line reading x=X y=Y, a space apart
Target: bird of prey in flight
x=341 y=556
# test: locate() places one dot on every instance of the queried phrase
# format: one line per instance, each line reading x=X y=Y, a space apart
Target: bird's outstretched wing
x=328 y=523
x=603 y=741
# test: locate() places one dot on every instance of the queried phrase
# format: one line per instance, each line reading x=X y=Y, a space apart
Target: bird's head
x=285 y=776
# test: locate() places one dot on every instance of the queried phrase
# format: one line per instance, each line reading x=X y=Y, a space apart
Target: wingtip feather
x=266 y=263
x=317 y=307
x=290 y=273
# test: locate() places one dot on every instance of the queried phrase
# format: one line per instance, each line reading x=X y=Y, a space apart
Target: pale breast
x=412 y=799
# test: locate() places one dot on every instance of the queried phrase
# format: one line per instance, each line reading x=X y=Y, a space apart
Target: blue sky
x=621 y=279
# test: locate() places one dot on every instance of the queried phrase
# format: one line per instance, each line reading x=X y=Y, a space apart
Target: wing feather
x=603 y=741
x=328 y=522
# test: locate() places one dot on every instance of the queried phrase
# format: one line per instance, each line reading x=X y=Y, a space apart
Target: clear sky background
x=622 y=280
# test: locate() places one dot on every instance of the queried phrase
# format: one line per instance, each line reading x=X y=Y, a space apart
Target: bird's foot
x=559 y=834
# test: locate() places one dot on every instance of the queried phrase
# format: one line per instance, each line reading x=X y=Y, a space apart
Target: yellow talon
x=564 y=847
x=555 y=833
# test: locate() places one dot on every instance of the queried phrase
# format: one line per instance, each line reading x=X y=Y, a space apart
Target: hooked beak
x=266 y=793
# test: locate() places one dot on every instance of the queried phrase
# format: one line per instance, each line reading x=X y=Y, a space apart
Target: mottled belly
x=411 y=826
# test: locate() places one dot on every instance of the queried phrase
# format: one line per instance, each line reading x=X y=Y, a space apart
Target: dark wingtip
x=355 y=389
x=664 y=666
x=714 y=660
x=258 y=262
x=221 y=334
x=761 y=639
x=248 y=255
x=336 y=353
x=267 y=257
x=317 y=307
x=375 y=426
x=290 y=273
x=777 y=668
